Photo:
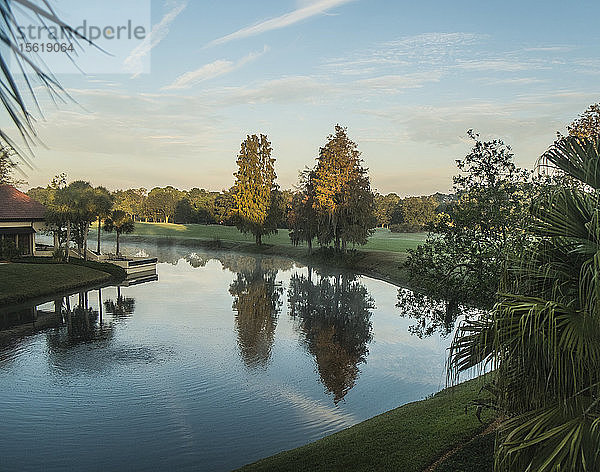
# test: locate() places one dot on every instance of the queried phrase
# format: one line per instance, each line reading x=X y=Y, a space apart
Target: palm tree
x=103 y=203
x=119 y=222
x=543 y=337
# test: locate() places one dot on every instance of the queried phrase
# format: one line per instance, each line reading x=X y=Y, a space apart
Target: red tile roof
x=16 y=206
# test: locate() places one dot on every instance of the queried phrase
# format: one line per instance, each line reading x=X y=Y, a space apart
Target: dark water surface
x=222 y=361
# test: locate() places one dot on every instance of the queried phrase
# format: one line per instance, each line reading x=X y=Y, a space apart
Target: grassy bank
x=410 y=439
x=22 y=281
x=381 y=240
x=382 y=257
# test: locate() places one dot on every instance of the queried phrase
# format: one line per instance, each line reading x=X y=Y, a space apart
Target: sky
x=408 y=79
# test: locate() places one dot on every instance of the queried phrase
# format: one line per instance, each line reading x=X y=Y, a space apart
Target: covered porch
x=23 y=237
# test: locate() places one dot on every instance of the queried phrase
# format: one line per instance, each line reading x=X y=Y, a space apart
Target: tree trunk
x=258 y=239
x=118 y=251
x=310 y=246
x=85 y=238
x=99 y=228
x=68 y=240
x=56 y=240
x=100 y=304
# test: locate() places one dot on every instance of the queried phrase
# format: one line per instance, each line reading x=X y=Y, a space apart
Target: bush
x=59 y=254
x=8 y=250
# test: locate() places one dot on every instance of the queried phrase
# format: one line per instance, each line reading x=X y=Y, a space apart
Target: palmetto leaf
x=576 y=157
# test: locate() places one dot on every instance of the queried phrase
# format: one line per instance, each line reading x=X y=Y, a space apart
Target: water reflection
x=81 y=324
x=121 y=308
x=257 y=302
x=172 y=362
x=334 y=317
x=67 y=322
x=431 y=315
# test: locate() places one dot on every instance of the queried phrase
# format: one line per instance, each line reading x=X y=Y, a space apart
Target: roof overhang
x=17 y=230
x=20 y=220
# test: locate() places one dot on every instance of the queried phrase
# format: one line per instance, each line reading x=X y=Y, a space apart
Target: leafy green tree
x=414 y=214
x=132 y=201
x=161 y=203
x=185 y=213
x=121 y=223
x=224 y=206
x=255 y=190
x=58 y=212
x=543 y=337
x=203 y=203
x=343 y=196
x=461 y=261
x=587 y=125
x=302 y=216
x=384 y=208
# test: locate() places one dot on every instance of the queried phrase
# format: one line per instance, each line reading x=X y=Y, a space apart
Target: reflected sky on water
x=225 y=359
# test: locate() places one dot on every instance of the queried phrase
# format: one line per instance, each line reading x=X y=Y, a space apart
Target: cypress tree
x=342 y=193
x=255 y=191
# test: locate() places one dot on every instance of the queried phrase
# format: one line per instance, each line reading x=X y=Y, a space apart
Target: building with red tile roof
x=20 y=218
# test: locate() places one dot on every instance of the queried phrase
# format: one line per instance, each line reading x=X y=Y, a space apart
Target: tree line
x=332 y=204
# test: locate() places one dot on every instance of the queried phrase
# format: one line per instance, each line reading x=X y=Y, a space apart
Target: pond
x=223 y=360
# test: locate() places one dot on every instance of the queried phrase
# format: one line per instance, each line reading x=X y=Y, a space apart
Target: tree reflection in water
x=431 y=315
x=81 y=324
x=257 y=302
x=121 y=308
x=334 y=316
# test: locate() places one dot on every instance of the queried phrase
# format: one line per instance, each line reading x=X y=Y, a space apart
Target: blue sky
x=408 y=79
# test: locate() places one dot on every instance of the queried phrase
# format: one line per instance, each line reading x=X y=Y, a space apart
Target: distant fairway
x=382 y=240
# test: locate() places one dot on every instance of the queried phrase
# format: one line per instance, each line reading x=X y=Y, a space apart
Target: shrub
x=8 y=250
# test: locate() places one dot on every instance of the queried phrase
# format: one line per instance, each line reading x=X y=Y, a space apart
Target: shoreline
x=381 y=265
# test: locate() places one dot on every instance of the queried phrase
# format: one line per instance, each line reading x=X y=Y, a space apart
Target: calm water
x=224 y=360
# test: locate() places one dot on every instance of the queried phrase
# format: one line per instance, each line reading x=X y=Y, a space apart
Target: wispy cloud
x=436 y=49
x=396 y=83
x=501 y=65
x=212 y=70
x=294 y=89
x=282 y=21
x=134 y=62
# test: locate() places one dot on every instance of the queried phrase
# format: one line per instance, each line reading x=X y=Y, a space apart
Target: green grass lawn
x=408 y=439
x=382 y=240
x=23 y=281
